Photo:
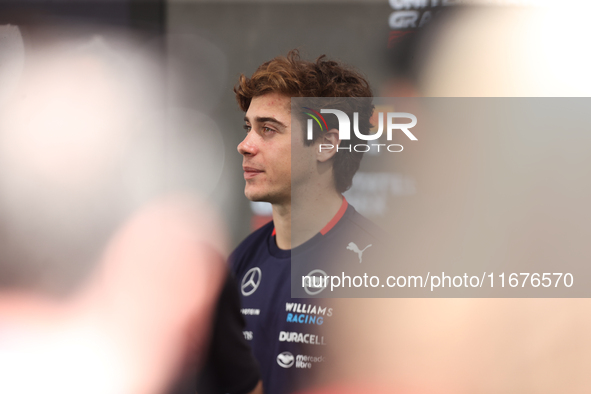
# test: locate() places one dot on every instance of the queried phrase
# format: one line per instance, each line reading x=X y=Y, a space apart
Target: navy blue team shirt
x=288 y=335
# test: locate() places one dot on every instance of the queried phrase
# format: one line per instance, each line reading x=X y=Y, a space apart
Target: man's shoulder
x=357 y=223
x=254 y=243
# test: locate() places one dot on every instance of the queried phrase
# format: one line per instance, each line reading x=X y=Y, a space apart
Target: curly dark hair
x=332 y=81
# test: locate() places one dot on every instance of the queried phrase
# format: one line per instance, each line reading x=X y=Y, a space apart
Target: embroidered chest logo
x=353 y=247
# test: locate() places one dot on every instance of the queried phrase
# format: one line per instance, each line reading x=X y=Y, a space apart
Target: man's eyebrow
x=260 y=119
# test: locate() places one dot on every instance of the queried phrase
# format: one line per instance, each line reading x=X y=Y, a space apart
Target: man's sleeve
x=230 y=366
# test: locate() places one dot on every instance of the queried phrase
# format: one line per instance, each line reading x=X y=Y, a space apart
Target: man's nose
x=248 y=145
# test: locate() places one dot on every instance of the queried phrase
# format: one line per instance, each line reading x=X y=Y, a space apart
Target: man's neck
x=302 y=218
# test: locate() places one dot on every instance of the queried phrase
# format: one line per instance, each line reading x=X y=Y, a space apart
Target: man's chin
x=254 y=195
x=259 y=196
x=256 y=198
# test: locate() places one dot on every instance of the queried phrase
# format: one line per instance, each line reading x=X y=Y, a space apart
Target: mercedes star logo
x=317 y=282
x=251 y=281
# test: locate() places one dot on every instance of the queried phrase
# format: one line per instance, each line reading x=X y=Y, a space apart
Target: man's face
x=266 y=149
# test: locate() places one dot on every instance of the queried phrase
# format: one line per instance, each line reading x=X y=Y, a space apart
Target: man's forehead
x=272 y=104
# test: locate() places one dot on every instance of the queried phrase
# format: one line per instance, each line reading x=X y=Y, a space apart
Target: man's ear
x=326 y=146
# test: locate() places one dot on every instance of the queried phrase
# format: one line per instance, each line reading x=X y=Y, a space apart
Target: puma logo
x=355 y=249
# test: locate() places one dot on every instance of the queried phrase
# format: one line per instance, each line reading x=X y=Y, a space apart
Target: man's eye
x=268 y=130
x=247 y=128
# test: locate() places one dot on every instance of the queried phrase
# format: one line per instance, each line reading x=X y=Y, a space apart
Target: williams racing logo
x=392 y=125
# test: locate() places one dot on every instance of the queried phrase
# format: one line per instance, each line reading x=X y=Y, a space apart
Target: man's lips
x=251 y=172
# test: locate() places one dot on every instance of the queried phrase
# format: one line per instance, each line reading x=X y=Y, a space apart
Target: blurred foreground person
x=424 y=346
x=106 y=284
x=130 y=328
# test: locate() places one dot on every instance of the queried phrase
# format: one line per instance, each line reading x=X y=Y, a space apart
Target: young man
x=310 y=216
